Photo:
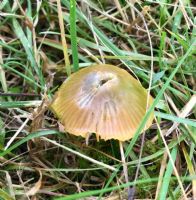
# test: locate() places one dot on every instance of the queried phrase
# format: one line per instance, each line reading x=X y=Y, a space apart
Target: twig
x=125 y=170
x=161 y=173
x=124 y=162
x=63 y=40
x=16 y=134
x=172 y=162
x=3 y=94
x=186 y=110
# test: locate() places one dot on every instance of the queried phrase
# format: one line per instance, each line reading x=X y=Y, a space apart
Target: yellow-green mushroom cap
x=101 y=99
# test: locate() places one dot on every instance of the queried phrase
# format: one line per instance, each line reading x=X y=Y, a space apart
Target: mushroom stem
x=125 y=170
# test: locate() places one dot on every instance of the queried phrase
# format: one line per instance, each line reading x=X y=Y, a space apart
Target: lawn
x=41 y=44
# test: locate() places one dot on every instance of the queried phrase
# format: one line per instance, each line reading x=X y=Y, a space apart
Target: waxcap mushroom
x=102 y=99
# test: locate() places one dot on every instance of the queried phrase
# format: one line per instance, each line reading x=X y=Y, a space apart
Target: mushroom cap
x=101 y=99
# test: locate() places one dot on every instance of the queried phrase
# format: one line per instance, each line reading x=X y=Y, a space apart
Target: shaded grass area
x=154 y=41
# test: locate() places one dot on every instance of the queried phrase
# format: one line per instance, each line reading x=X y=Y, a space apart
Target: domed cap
x=101 y=99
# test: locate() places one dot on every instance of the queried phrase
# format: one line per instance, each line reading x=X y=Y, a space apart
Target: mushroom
x=102 y=99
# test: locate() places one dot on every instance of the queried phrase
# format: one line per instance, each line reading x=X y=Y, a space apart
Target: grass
x=156 y=44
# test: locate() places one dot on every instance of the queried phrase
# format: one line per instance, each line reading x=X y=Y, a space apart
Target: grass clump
x=154 y=41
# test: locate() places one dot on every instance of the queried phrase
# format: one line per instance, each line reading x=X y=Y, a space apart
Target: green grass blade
x=145 y=118
x=4 y=195
x=27 y=138
x=3 y=44
x=19 y=104
x=160 y=152
x=115 y=188
x=73 y=34
x=26 y=45
x=176 y=119
x=167 y=176
x=3 y=3
x=22 y=75
x=81 y=155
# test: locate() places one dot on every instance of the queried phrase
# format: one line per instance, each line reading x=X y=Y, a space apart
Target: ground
x=42 y=43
